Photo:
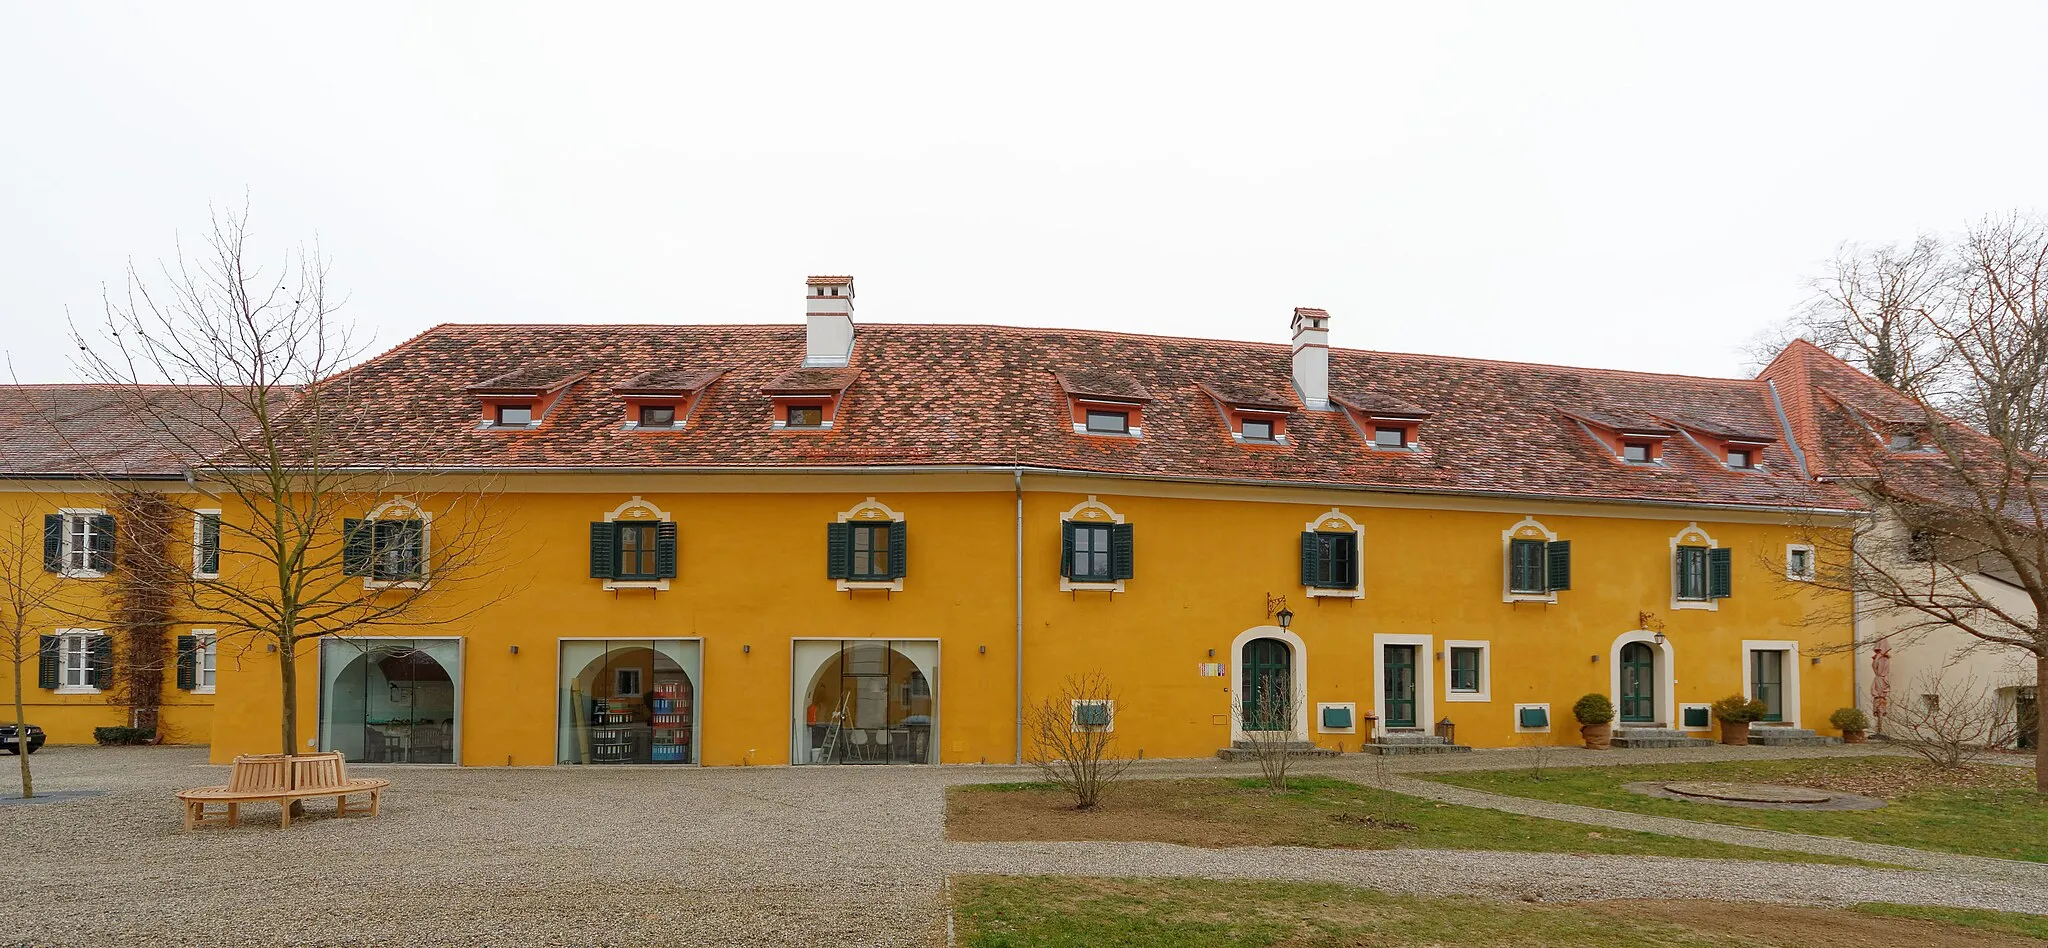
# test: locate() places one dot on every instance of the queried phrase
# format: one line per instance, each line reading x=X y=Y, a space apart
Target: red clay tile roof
x=1717 y=430
x=1377 y=405
x=78 y=430
x=828 y=281
x=1621 y=424
x=535 y=379
x=982 y=395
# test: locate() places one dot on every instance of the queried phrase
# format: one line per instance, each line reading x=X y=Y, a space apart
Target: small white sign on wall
x=1210 y=669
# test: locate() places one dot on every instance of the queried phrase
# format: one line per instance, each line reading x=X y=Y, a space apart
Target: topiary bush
x=121 y=736
x=1849 y=719
x=1736 y=709
x=1593 y=709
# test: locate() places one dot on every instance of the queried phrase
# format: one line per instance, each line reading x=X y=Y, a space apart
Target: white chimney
x=1312 y=356
x=828 y=320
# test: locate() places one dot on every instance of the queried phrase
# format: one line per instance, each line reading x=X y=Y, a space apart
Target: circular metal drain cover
x=1748 y=792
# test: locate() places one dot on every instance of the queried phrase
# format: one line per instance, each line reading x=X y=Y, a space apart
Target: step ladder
x=833 y=728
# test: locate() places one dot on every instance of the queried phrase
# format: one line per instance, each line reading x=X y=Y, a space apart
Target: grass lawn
x=1317 y=811
x=2011 y=923
x=1983 y=810
x=1056 y=912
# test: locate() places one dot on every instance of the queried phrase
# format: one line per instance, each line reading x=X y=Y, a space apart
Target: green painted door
x=1767 y=682
x=1638 y=684
x=1400 y=686
x=1268 y=683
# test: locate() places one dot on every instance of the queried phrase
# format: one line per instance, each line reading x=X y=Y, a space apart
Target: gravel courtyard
x=725 y=856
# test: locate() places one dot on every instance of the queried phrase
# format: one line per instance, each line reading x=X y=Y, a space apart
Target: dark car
x=12 y=746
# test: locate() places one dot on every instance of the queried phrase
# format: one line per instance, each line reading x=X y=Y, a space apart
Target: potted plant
x=1852 y=722
x=1735 y=713
x=1596 y=717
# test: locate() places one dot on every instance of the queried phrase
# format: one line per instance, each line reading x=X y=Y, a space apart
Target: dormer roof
x=828 y=281
x=1101 y=383
x=1380 y=405
x=1621 y=424
x=531 y=380
x=1719 y=431
x=812 y=381
x=670 y=381
x=1245 y=397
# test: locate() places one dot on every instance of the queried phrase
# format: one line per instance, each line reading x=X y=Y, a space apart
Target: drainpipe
x=1018 y=473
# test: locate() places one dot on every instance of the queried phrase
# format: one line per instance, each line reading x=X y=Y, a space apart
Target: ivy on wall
x=145 y=581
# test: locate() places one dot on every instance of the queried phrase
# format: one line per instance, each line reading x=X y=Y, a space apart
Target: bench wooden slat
x=280 y=779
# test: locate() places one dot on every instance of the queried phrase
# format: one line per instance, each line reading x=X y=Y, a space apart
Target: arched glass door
x=1638 y=684
x=1266 y=683
x=390 y=700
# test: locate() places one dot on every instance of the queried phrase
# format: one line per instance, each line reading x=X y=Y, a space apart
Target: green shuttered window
x=1329 y=560
x=867 y=552
x=1096 y=552
x=385 y=550
x=78 y=543
x=206 y=545
x=188 y=662
x=1705 y=573
x=633 y=551
x=1538 y=567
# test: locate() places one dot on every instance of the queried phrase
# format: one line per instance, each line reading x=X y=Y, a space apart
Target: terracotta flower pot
x=1852 y=737
x=1598 y=737
x=1735 y=734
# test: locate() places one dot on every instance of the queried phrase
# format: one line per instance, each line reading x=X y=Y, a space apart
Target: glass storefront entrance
x=866 y=701
x=628 y=701
x=391 y=700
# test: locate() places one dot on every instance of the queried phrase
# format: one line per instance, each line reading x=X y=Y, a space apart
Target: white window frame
x=659 y=515
x=870 y=511
x=1074 y=716
x=1693 y=530
x=1094 y=513
x=426 y=545
x=1507 y=561
x=198 y=541
x=1797 y=575
x=1322 y=706
x=85 y=639
x=205 y=665
x=1789 y=714
x=1335 y=520
x=1485 y=692
x=67 y=547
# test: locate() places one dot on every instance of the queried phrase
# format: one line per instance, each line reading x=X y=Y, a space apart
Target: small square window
x=1636 y=452
x=1258 y=430
x=657 y=416
x=1109 y=422
x=1739 y=459
x=1799 y=563
x=515 y=416
x=1465 y=670
x=1390 y=437
x=806 y=416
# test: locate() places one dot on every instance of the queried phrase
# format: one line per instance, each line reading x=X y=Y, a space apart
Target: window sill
x=1068 y=585
x=1708 y=604
x=1467 y=696
x=1085 y=430
x=77 y=690
x=82 y=574
x=1545 y=598
x=394 y=584
x=1323 y=592
x=203 y=691
x=853 y=584
x=658 y=584
x=205 y=576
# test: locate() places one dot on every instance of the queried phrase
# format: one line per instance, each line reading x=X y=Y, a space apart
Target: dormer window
x=1104 y=421
x=1389 y=436
x=522 y=398
x=515 y=416
x=1257 y=430
x=1638 y=452
x=807 y=416
x=1741 y=459
x=657 y=416
x=1385 y=422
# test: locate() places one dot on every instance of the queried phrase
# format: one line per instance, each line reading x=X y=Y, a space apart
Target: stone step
x=1240 y=751
x=1435 y=745
x=1652 y=737
x=1409 y=737
x=1289 y=745
x=1788 y=737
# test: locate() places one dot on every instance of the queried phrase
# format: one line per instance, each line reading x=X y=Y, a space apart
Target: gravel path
x=735 y=856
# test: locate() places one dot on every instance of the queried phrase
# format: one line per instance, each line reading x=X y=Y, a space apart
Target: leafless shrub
x=1539 y=747
x=1951 y=723
x=1267 y=723
x=1072 y=732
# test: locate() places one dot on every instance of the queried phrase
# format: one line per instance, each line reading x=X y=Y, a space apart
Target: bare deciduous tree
x=1950 y=722
x=1072 y=734
x=1267 y=723
x=320 y=534
x=29 y=604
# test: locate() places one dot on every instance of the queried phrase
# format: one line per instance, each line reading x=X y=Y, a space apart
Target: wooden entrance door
x=1267 y=682
x=1638 y=684
x=1400 y=686
x=1767 y=682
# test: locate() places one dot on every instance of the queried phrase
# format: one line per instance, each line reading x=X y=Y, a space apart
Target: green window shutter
x=46 y=662
x=1720 y=572
x=1336 y=719
x=1696 y=717
x=358 y=539
x=209 y=543
x=603 y=549
x=838 y=550
x=1311 y=558
x=899 y=559
x=1120 y=551
x=1347 y=545
x=665 y=549
x=1692 y=572
x=1067 y=548
x=103 y=662
x=1534 y=717
x=415 y=534
x=103 y=543
x=1526 y=566
x=53 y=544
x=1559 y=552
x=188 y=665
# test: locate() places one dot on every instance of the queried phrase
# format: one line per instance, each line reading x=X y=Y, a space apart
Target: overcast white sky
x=1627 y=185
